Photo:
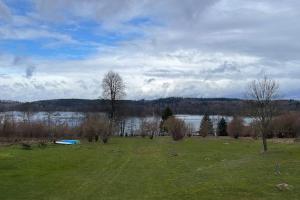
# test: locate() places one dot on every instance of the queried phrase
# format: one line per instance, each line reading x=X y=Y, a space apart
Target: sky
x=51 y=49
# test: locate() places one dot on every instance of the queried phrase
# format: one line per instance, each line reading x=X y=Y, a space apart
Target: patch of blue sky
x=90 y=31
x=142 y=21
x=20 y=7
x=90 y=34
x=39 y=48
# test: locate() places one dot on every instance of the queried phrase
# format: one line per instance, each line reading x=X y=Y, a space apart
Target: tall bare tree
x=262 y=94
x=113 y=89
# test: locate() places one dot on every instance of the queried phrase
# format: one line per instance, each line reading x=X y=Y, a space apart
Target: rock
x=284 y=186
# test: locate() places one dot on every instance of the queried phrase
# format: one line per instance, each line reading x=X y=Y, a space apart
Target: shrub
x=236 y=127
x=189 y=130
x=105 y=128
x=88 y=128
x=96 y=126
x=176 y=128
x=25 y=129
x=286 y=125
x=149 y=128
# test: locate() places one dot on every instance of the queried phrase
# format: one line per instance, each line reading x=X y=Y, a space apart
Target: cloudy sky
x=193 y=48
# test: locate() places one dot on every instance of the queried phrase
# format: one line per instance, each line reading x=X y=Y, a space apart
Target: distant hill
x=221 y=106
x=8 y=105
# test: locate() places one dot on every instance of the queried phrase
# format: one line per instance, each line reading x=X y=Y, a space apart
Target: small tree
x=262 y=94
x=222 y=127
x=206 y=126
x=176 y=128
x=236 y=127
x=166 y=113
x=149 y=128
x=104 y=129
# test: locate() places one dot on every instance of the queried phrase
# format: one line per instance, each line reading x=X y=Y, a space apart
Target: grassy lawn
x=136 y=168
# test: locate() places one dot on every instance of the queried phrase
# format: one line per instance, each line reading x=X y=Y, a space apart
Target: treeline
x=93 y=126
x=97 y=127
x=199 y=106
x=282 y=126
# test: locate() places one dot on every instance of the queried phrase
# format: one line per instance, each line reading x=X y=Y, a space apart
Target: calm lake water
x=131 y=123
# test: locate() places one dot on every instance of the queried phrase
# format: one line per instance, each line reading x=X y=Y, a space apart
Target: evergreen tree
x=206 y=126
x=166 y=114
x=222 y=127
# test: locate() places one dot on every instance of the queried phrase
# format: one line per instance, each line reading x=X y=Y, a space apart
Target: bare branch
x=113 y=89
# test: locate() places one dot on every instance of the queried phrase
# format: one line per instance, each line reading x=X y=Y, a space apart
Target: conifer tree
x=206 y=126
x=222 y=127
x=166 y=113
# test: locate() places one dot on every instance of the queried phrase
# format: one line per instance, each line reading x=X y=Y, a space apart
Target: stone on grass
x=284 y=186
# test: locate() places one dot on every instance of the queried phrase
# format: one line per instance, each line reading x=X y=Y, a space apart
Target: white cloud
x=192 y=48
x=187 y=74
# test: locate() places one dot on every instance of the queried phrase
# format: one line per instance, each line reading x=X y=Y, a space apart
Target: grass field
x=136 y=168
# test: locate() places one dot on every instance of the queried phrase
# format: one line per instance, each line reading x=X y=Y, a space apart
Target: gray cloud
x=29 y=71
x=5 y=13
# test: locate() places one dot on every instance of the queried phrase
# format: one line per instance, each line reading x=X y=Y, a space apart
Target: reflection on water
x=131 y=123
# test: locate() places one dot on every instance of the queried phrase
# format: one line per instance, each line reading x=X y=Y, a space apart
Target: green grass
x=136 y=168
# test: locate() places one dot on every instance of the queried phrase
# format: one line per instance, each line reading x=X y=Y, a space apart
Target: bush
x=13 y=130
x=150 y=127
x=189 y=130
x=88 y=128
x=176 y=128
x=96 y=126
x=236 y=127
x=286 y=125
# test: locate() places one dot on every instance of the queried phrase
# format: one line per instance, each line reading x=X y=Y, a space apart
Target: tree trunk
x=264 y=138
x=112 y=113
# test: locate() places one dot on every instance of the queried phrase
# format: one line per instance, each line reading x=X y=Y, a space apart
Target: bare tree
x=149 y=127
x=113 y=89
x=262 y=94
